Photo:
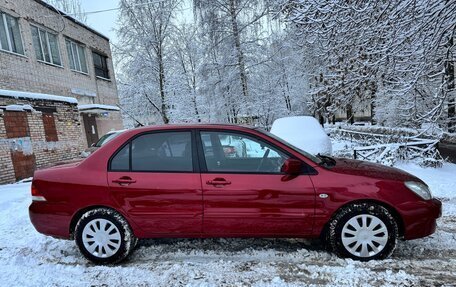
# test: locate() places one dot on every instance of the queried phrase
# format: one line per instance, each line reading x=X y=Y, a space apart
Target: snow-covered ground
x=28 y=258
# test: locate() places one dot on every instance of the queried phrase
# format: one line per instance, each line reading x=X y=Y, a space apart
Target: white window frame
x=75 y=56
x=46 y=32
x=9 y=49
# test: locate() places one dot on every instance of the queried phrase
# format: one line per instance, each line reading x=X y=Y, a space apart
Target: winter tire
x=104 y=236
x=363 y=232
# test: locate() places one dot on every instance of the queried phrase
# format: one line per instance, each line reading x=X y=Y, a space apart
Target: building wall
x=34 y=146
x=26 y=73
x=6 y=164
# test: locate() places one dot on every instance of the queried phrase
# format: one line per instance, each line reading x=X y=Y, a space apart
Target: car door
x=244 y=191
x=155 y=179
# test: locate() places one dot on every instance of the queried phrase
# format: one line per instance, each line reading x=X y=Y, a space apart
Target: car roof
x=192 y=126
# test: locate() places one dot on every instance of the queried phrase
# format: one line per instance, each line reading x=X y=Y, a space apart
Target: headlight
x=419 y=189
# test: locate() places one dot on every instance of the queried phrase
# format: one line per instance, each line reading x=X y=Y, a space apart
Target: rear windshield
x=106 y=138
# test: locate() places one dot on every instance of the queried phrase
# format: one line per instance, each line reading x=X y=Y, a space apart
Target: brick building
x=57 y=87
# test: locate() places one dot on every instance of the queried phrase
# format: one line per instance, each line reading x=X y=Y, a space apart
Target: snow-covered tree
x=144 y=55
x=233 y=30
x=396 y=54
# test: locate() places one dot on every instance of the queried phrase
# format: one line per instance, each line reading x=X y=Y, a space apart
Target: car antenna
x=128 y=114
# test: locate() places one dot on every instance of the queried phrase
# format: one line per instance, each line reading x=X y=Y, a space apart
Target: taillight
x=36 y=195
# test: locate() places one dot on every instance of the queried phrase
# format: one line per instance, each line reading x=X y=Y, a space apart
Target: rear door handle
x=124 y=180
x=218 y=181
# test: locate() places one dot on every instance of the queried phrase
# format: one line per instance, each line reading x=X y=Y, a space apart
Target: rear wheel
x=104 y=236
x=363 y=232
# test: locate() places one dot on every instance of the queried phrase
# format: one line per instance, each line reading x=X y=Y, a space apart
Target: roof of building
x=71 y=18
x=36 y=96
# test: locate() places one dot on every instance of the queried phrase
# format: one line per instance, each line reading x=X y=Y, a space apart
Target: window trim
x=8 y=38
x=306 y=169
x=195 y=160
x=47 y=31
x=104 y=79
x=76 y=54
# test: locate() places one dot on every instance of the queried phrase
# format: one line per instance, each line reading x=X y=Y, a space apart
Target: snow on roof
x=98 y=107
x=36 y=96
x=19 y=108
x=304 y=132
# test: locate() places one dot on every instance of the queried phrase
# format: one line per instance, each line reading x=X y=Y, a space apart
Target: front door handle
x=124 y=180
x=218 y=181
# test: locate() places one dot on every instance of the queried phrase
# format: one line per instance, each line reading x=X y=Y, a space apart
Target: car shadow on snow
x=234 y=245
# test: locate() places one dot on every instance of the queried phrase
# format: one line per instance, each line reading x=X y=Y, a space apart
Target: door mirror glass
x=292 y=166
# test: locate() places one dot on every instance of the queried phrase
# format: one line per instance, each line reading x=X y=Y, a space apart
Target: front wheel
x=363 y=232
x=104 y=236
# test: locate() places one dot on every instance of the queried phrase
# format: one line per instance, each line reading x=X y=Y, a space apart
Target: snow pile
x=36 y=96
x=304 y=132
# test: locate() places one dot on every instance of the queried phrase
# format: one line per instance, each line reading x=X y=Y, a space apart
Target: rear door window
x=156 y=152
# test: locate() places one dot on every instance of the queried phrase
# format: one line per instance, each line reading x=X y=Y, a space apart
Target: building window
x=50 y=130
x=46 y=46
x=10 y=34
x=101 y=65
x=76 y=56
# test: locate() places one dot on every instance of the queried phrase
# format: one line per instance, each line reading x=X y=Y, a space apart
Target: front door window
x=232 y=152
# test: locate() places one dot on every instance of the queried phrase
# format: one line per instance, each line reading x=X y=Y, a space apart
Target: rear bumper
x=49 y=221
x=420 y=218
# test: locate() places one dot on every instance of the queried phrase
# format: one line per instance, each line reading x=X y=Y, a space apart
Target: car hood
x=369 y=169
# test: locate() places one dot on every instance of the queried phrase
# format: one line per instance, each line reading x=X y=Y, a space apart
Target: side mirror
x=292 y=166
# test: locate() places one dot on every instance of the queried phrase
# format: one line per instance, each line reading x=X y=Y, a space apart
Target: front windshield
x=306 y=154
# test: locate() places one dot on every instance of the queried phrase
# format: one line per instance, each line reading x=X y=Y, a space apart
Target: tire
x=363 y=232
x=104 y=237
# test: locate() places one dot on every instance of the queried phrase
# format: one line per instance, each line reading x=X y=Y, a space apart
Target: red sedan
x=226 y=181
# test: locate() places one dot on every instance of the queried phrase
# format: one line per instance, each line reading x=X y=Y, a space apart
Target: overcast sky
x=105 y=22
x=102 y=22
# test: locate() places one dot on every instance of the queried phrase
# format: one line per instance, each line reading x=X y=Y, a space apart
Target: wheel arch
x=78 y=214
x=390 y=208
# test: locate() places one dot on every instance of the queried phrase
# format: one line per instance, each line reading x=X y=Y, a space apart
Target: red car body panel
x=161 y=203
x=167 y=204
x=258 y=204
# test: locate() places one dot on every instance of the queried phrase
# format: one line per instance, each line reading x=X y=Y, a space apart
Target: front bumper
x=420 y=218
